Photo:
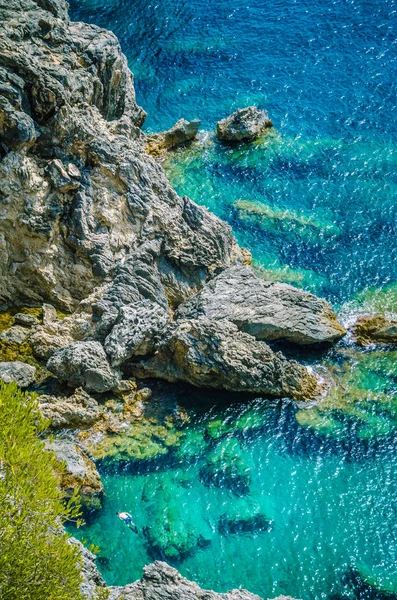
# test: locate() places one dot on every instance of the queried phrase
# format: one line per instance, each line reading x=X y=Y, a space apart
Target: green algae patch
x=6 y=321
x=273 y=220
x=382 y=301
x=142 y=440
x=362 y=400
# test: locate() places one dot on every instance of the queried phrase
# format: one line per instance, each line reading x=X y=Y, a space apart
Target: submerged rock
x=84 y=364
x=225 y=467
x=216 y=354
x=18 y=372
x=375 y=329
x=181 y=133
x=79 y=472
x=172 y=530
x=265 y=309
x=244 y=516
x=244 y=124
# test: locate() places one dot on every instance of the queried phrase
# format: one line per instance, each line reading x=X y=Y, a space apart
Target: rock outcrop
x=79 y=410
x=78 y=193
x=265 y=309
x=244 y=125
x=18 y=372
x=209 y=353
x=162 y=581
x=89 y=223
x=180 y=134
x=78 y=472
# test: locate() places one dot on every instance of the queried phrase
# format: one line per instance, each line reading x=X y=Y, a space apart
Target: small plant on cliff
x=36 y=560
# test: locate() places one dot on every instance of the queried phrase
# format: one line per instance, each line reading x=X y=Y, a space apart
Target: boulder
x=26 y=320
x=135 y=331
x=265 y=309
x=78 y=410
x=375 y=329
x=84 y=364
x=180 y=134
x=244 y=125
x=79 y=472
x=215 y=354
x=14 y=335
x=18 y=372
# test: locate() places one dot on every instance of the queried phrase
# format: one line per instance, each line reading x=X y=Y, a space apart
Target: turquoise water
x=315 y=202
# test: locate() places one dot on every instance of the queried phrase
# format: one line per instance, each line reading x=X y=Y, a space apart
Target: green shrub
x=36 y=560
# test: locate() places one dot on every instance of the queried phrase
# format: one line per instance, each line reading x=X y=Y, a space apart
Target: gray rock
x=135 y=331
x=14 y=335
x=93 y=581
x=76 y=184
x=244 y=124
x=216 y=354
x=79 y=472
x=265 y=309
x=160 y=581
x=84 y=364
x=18 y=372
x=78 y=410
x=181 y=133
x=26 y=320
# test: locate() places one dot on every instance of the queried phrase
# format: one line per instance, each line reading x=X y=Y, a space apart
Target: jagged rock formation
x=162 y=581
x=244 y=125
x=180 y=134
x=207 y=353
x=90 y=223
x=80 y=472
x=79 y=410
x=265 y=309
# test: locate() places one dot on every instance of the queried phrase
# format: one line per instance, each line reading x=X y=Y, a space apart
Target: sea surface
x=274 y=497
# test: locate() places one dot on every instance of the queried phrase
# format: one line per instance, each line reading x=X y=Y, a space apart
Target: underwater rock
x=172 y=531
x=215 y=354
x=369 y=585
x=264 y=309
x=244 y=124
x=80 y=472
x=181 y=133
x=18 y=372
x=78 y=410
x=160 y=581
x=225 y=467
x=84 y=364
x=135 y=331
x=243 y=517
x=375 y=329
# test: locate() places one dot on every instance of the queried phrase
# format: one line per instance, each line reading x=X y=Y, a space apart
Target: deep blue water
x=316 y=204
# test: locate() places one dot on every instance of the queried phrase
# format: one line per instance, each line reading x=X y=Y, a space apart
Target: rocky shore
x=149 y=284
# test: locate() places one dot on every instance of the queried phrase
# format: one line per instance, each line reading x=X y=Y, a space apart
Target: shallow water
x=315 y=202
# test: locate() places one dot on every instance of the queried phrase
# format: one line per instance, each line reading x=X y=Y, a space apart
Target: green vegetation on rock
x=36 y=560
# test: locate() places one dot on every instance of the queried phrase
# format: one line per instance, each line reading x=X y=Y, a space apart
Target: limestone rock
x=375 y=329
x=265 y=309
x=162 y=581
x=19 y=372
x=78 y=410
x=79 y=195
x=244 y=124
x=26 y=320
x=79 y=472
x=93 y=581
x=181 y=133
x=84 y=364
x=14 y=335
x=135 y=331
x=216 y=354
